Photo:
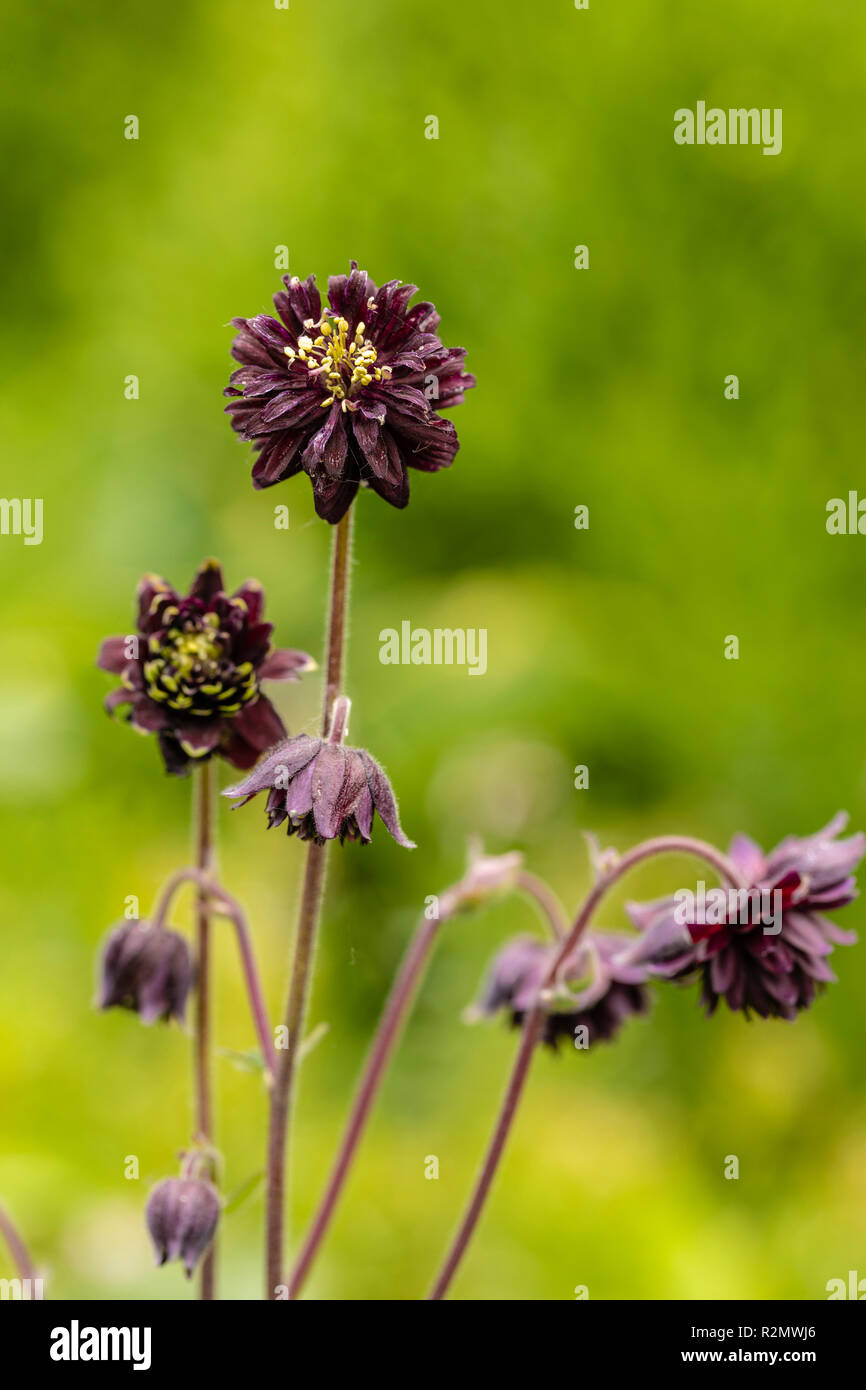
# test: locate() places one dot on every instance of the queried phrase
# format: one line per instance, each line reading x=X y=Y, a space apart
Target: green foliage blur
x=304 y=127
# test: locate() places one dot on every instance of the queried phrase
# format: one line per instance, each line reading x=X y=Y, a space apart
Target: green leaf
x=251 y=1061
x=312 y=1040
x=239 y=1196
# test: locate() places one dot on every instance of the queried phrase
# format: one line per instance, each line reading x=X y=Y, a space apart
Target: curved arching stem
x=531 y=1032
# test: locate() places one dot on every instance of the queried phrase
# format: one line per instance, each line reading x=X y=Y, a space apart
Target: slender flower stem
x=551 y=908
x=305 y=939
x=228 y=906
x=281 y=1091
x=387 y=1034
x=17 y=1249
x=170 y=888
x=225 y=905
x=204 y=856
x=338 y=617
x=669 y=844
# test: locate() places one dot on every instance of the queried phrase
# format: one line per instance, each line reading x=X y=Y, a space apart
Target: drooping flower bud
x=147 y=969
x=182 y=1215
x=323 y=791
x=595 y=991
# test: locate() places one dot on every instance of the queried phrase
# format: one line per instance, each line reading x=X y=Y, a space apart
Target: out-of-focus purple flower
x=147 y=969
x=323 y=791
x=763 y=948
x=350 y=394
x=606 y=992
x=182 y=1215
x=193 y=669
x=487 y=876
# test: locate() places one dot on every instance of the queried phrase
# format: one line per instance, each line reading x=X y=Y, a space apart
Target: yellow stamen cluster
x=185 y=671
x=343 y=366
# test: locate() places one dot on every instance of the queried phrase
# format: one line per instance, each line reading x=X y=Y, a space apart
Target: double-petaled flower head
x=323 y=791
x=762 y=947
x=182 y=1215
x=146 y=968
x=349 y=393
x=192 y=671
x=592 y=991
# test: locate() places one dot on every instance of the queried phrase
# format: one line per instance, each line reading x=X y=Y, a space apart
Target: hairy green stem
x=282 y=1091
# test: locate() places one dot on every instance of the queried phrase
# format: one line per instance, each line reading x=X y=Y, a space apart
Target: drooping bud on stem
x=182 y=1215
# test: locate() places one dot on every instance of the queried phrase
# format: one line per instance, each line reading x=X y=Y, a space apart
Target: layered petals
x=191 y=673
x=763 y=948
x=323 y=791
x=350 y=395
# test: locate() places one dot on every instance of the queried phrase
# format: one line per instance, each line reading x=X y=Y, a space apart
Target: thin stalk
x=338 y=617
x=551 y=908
x=281 y=1091
x=387 y=1034
x=225 y=905
x=17 y=1249
x=229 y=907
x=670 y=844
x=203 y=1084
x=170 y=888
x=307 y=931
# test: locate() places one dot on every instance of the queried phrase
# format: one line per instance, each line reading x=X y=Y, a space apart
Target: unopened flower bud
x=182 y=1215
x=147 y=969
x=489 y=876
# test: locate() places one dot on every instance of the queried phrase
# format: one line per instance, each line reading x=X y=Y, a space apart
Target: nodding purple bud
x=182 y=1215
x=323 y=790
x=147 y=969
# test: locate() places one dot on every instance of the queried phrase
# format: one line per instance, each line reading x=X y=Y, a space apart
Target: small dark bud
x=147 y=969
x=182 y=1215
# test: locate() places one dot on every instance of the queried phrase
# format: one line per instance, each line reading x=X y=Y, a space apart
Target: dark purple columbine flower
x=192 y=671
x=350 y=395
x=612 y=993
x=323 y=791
x=182 y=1215
x=146 y=968
x=763 y=948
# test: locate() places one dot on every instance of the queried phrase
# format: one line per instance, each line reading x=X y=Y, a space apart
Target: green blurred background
x=305 y=128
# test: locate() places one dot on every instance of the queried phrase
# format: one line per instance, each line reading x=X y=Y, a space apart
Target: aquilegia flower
x=182 y=1215
x=147 y=969
x=192 y=672
x=606 y=993
x=763 y=948
x=323 y=791
x=350 y=394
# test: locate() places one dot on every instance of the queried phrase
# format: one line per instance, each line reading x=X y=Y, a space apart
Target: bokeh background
x=305 y=127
